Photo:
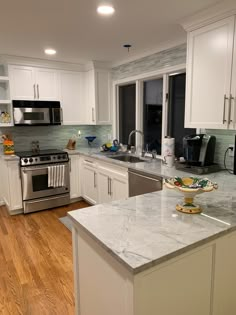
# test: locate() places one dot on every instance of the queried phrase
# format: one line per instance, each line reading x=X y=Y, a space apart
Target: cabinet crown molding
x=214 y=13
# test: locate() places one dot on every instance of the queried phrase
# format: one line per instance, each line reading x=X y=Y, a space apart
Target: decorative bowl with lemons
x=190 y=187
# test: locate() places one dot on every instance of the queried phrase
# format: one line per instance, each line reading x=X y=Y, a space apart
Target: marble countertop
x=226 y=181
x=146 y=230
x=11 y=157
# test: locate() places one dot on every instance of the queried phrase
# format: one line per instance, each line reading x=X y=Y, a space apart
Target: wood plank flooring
x=36 y=272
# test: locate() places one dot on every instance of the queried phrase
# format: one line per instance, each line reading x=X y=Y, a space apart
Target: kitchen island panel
x=180 y=286
x=225 y=276
x=102 y=285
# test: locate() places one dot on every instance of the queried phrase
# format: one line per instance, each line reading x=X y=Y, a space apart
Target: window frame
x=139 y=82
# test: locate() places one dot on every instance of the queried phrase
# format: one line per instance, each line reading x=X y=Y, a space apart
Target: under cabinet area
x=211 y=76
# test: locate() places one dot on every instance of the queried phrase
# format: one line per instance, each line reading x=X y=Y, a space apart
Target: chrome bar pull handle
x=34 y=91
x=225 y=99
x=108 y=185
x=231 y=99
x=93 y=116
x=38 y=90
x=110 y=188
x=95 y=180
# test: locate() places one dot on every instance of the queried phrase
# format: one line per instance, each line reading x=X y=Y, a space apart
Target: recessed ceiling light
x=50 y=51
x=105 y=10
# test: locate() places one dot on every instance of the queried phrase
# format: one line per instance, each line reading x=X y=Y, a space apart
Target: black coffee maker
x=199 y=150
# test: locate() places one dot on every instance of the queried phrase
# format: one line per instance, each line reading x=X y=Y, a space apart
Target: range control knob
x=25 y=160
x=64 y=157
x=59 y=157
x=31 y=160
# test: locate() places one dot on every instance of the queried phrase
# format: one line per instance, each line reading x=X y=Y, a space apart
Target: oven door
x=35 y=182
x=31 y=116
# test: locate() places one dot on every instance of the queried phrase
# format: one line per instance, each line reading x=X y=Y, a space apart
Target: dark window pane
x=127 y=112
x=152 y=114
x=176 y=112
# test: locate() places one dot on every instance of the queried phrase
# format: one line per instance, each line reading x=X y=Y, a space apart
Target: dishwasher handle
x=146 y=177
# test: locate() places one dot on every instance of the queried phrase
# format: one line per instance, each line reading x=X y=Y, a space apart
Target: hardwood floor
x=36 y=275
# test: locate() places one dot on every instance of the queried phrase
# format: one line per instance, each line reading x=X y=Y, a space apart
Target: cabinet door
x=74 y=177
x=5 y=185
x=209 y=68
x=89 y=183
x=224 y=301
x=47 y=84
x=103 y=109
x=22 y=83
x=71 y=98
x=233 y=89
x=90 y=97
x=104 y=187
x=14 y=185
x=120 y=188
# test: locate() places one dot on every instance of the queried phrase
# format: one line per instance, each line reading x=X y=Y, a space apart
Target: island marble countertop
x=143 y=231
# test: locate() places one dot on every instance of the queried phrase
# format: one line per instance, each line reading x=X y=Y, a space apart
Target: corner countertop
x=143 y=231
x=146 y=230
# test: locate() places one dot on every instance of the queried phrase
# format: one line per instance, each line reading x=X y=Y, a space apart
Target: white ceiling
x=75 y=30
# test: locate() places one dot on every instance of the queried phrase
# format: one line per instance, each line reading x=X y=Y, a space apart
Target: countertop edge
x=158 y=261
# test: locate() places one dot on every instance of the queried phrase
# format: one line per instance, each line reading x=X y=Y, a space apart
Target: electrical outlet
x=231 y=152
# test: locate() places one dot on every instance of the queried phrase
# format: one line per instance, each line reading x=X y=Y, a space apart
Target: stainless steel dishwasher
x=142 y=183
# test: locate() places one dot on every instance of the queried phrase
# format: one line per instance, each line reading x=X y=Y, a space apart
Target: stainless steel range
x=45 y=179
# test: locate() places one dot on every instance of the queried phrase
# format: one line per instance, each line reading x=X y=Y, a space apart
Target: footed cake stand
x=189 y=187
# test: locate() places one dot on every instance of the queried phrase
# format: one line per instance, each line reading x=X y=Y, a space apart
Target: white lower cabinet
x=89 y=181
x=75 y=191
x=102 y=182
x=11 y=189
x=112 y=183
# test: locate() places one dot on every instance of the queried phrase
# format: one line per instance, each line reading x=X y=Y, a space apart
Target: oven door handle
x=34 y=169
x=30 y=169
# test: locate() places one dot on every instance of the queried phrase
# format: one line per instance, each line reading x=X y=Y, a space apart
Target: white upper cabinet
x=97 y=97
x=47 y=84
x=84 y=95
x=71 y=97
x=233 y=88
x=210 y=88
x=22 y=83
x=31 y=83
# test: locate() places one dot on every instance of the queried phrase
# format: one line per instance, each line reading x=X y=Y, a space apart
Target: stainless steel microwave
x=37 y=113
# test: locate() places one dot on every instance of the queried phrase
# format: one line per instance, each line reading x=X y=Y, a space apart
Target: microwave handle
x=61 y=115
x=53 y=115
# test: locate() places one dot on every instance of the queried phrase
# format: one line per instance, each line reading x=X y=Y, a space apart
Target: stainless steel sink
x=127 y=158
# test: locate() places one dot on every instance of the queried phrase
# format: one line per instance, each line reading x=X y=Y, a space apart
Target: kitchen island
x=141 y=257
